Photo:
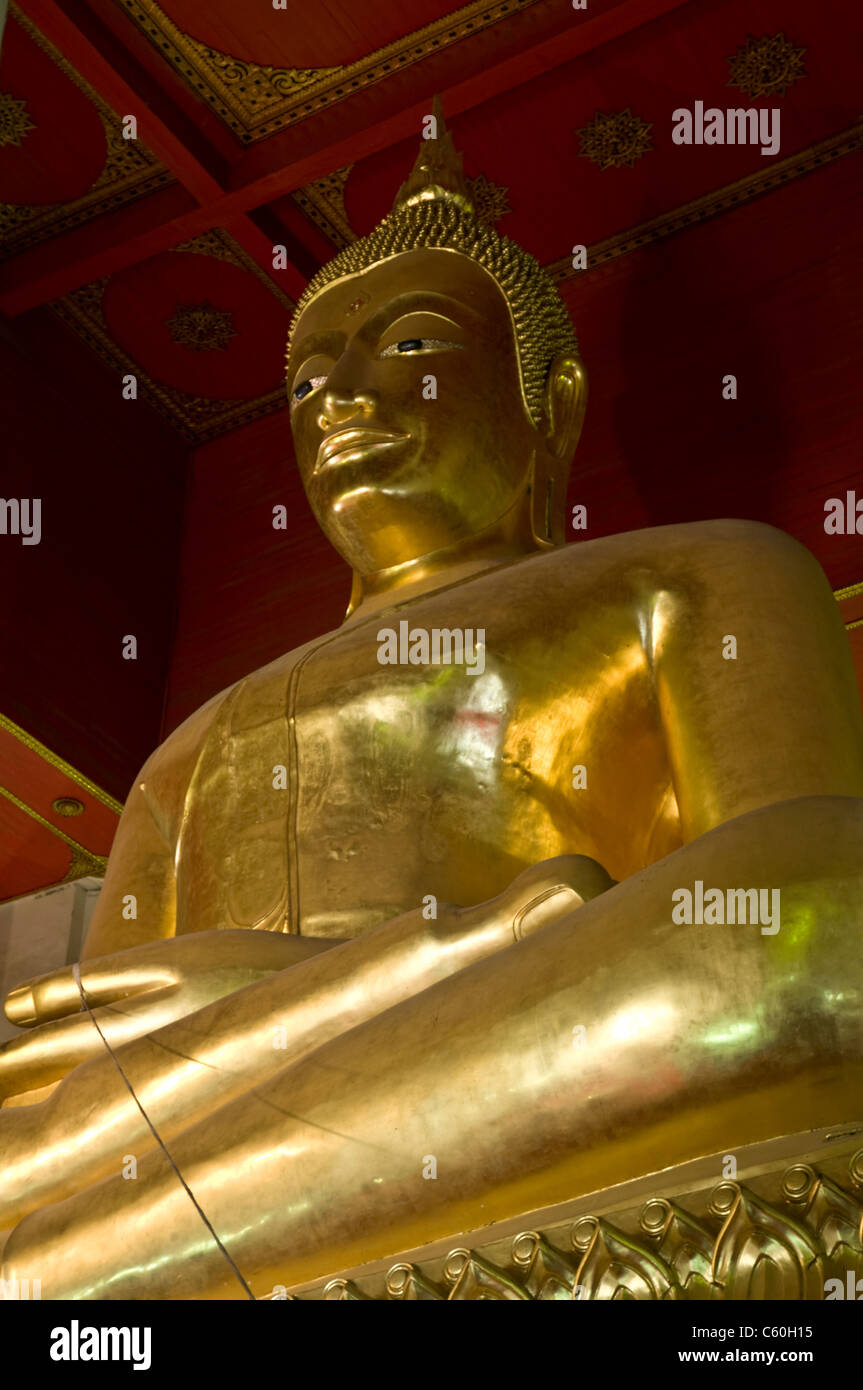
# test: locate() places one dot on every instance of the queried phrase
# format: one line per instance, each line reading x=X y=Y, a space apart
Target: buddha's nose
x=337 y=407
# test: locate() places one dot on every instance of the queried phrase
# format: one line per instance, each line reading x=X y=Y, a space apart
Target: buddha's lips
x=353 y=440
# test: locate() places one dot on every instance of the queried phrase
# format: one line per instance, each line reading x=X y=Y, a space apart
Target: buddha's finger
x=104 y=980
x=50 y=1051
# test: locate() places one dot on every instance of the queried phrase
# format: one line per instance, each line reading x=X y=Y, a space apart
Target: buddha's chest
x=437 y=749
x=442 y=747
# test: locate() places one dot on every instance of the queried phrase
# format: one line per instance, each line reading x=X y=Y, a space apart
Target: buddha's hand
x=552 y=888
x=131 y=993
x=542 y=894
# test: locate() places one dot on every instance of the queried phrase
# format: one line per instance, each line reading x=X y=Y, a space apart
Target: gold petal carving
x=615 y=139
x=780 y=1233
x=766 y=67
x=202 y=327
x=489 y=199
x=15 y=123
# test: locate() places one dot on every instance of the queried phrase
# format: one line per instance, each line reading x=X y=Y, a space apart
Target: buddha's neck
x=509 y=539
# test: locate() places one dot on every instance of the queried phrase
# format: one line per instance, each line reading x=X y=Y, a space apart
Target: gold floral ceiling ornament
x=202 y=327
x=615 y=139
x=766 y=66
x=489 y=199
x=14 y=121
x=196 y=418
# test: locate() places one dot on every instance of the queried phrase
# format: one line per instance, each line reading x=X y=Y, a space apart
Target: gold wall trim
x=196 y=418
x=60 y=764
x=256 y=101
x=712 y=204
x=130 y=170
x=852 y=591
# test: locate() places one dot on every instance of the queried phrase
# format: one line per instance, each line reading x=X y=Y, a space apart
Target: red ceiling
x=702 y=261
x=63 y=158
x=298 y=35
x=559 y=197
x=139 y=303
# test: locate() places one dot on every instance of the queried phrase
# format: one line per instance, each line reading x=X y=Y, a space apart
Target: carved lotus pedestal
x=788 y=1226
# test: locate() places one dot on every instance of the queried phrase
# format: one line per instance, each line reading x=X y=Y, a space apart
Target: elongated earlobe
x=563 y=416
x=564 y=405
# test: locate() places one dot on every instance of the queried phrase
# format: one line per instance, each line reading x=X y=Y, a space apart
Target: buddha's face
x=410 y=428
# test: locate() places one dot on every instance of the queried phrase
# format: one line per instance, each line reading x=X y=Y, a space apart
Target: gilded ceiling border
x=851 y=591
x=196 y=418
x=130 y=170
x=82 y=861
x=721 y=200
x=256 y=101
x=55 y=761
x=323 y=202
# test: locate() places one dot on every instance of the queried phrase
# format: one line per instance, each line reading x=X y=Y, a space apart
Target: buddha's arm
x=142 y=856
x=780 y=720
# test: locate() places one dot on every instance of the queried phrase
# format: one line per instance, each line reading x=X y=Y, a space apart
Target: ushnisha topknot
x=433 y=209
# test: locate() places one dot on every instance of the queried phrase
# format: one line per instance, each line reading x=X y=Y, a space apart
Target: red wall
x=247 y=591
x=111 y=476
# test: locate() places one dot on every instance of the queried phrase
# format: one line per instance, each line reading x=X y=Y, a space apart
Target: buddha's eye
x=304 y=388
x=417 y=345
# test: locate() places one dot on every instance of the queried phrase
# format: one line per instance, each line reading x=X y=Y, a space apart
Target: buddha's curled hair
x=542 y=325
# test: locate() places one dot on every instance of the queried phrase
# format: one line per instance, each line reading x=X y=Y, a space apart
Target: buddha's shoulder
x=727 y=558
x=252 y=700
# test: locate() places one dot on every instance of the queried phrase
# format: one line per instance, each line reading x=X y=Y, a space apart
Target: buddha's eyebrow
x=329 y=342
x=395 y=309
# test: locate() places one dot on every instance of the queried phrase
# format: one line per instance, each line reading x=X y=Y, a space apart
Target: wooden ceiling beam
x=218 y=206
x=122 y=97
x=47 y=273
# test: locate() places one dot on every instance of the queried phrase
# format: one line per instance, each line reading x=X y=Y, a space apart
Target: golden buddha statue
x=390 y=945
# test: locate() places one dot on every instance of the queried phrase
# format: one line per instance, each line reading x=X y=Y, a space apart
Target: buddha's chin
x=376 y=528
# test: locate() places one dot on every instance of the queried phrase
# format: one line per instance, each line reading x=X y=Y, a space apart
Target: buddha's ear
x=564 y=404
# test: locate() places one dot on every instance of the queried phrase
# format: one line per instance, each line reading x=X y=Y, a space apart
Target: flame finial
x=437 y=171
